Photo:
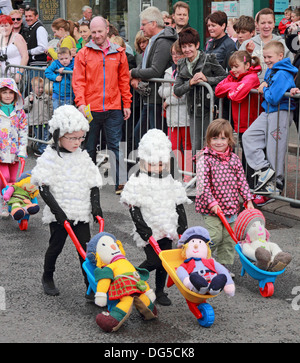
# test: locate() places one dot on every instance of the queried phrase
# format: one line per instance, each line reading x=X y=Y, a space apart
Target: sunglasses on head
x=14 y=19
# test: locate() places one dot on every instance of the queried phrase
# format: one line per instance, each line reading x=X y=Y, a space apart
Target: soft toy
x=254 y=239
x=19 y=195
x=117 y=279
x=199 y=272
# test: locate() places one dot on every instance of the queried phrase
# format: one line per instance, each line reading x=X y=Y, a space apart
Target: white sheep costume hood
x=68 y=119
x=154 y=147
x=70 y=176
x=156 y=197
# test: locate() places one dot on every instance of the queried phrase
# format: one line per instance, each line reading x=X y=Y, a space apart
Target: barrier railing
x=167 y=115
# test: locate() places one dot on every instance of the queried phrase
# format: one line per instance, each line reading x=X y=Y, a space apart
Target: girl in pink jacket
x=220 y=182
x=242 y=78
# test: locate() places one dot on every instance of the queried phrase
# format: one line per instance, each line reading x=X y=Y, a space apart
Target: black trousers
x=57 y=241
x=153 y=262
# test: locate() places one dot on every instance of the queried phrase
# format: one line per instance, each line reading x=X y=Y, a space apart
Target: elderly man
x=156 y=59
x=101 y=80
x=87 y=13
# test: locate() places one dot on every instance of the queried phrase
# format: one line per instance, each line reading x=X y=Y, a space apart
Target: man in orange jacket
x=101 y=79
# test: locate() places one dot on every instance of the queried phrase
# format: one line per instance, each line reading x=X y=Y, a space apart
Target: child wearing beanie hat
x=69 y=184
x=255 y=245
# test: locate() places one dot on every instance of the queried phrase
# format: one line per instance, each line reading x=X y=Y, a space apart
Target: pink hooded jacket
x=220 y=180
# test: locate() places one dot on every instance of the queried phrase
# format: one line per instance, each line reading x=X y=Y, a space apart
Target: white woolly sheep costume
x=156 y=197
x=70 y=176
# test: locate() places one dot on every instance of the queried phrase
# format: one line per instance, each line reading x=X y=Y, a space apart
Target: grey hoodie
x=258 y=51
x=158 y=60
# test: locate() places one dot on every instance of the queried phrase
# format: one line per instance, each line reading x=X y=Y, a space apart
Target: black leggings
x=153 y=262
x=57 y=241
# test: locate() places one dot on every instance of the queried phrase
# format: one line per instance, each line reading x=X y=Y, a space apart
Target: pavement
x=27 y=315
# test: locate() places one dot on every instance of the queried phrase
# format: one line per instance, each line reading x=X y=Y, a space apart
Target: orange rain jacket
x=101 y=79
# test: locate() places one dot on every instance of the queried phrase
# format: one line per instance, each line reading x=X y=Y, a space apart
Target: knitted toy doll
x=254 y=239
x=19 y=197
x=199 y=272
x=118 y=280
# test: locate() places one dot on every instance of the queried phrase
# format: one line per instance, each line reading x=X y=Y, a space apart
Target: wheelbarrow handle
x=22 y=161
x=74 y=239
x=3 y=180
x=101 y=223
x=155 y=245
x=227 y=225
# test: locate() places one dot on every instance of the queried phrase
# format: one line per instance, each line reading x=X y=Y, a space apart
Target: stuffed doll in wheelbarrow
x=199 y=272
x=117 y=279
x=19 y=197
x=250 y=230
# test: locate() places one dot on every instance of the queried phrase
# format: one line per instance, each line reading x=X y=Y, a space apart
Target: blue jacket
x=280 y=79
x=64 y=87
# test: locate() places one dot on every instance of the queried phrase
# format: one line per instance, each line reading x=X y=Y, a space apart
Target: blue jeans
x=60 y=102
x=41 y=132
x=151 y=117
x=111 y=122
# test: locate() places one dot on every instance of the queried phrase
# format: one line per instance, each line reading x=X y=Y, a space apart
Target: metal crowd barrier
x=205 y=107
x=291 y=188
x=38 y=113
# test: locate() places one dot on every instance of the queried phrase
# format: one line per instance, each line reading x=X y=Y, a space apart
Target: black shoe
x=198 y=281
x=162 y=298
x=49 y=287
x=90 y=297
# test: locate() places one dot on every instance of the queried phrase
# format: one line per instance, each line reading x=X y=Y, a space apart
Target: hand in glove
x=141 y=226
x=101 y=299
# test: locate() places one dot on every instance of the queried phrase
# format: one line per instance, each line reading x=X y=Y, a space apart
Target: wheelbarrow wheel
x=208 y=315
x=268 y=289
x=23 y=225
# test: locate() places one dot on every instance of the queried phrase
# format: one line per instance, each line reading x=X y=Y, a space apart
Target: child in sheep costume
x=155 y=202
x=69 y=184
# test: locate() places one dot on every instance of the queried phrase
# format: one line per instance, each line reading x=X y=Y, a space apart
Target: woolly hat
x=67 y=119
x=243 y=221
x=155 y=147
x=194 y=232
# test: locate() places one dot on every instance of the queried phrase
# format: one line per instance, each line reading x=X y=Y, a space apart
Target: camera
x=3 y=57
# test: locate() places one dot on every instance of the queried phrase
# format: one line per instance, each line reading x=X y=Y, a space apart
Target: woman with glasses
x=13 y=49
x=18 y=22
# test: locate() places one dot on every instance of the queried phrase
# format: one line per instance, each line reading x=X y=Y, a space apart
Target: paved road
x=28 y=315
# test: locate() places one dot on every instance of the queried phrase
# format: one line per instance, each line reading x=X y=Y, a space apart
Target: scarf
x=7 y=108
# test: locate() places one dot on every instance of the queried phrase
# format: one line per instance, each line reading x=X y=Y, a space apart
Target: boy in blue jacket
x=265 y=141
x=62 y=85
